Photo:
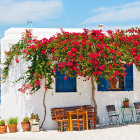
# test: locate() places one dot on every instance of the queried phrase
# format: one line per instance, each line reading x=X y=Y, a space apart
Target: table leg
x=71 y=129
x=132 y=119
x=123 y=119
x=87 y=119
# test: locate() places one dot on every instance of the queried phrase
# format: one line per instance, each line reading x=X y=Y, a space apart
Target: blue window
x=62 y=85
x=118 y=83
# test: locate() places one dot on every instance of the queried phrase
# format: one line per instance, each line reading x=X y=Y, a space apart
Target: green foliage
x=12 y=120
x=26 y=119
x=35 y=116
x=126 y=100
x=2 y=122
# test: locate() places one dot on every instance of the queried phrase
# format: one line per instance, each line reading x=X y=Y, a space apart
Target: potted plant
x=3 y=127
x=34 y=118
x=126 y=102
x=25 y=124
x=12 y=124
x=34 y=121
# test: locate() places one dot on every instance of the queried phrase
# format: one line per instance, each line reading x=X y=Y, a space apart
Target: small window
x=63 y=85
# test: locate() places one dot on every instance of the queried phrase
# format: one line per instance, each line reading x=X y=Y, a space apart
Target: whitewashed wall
x=15 y=103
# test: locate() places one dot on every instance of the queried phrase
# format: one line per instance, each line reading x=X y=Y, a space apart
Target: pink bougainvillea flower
x=110 y=79
x=46 y=88
x=53 y=50
x=65 y=48
x=65 y=78
x=55 y=58
x=17 y=61
x=38 y=83
x=90 y=43
x=69 y=64
x=43 y=52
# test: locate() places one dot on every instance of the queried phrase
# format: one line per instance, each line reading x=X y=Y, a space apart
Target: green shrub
x=26 y=119
x=126 y=100
x=2 y=122
x=12 y=120
x=35 y=116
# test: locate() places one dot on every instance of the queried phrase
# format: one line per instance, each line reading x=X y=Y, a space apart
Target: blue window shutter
x=102 y=86
x=129 y=78
x=60 y=85
x=71 y=84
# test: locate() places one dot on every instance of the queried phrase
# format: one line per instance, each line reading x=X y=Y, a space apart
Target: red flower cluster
x=89 y=54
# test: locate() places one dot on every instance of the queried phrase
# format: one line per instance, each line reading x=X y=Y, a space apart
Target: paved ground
x=127 y=132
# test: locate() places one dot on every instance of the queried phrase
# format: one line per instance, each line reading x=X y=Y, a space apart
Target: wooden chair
x=80 y=118
x=61 y=119
x=91 y=116
x=137 y=109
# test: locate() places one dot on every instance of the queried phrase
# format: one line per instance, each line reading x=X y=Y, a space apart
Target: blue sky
x=68 y=13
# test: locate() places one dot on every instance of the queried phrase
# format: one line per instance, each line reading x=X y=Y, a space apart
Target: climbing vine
x=87 y=54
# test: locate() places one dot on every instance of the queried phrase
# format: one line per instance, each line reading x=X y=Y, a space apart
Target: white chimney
x=100 y=26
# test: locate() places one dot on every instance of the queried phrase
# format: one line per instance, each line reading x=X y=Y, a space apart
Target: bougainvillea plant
x=91 y=54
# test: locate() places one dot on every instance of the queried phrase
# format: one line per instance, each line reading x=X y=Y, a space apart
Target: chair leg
x=57 y=127
x=83 y=125
x=110 y=120
x=78 y=126
x=61 y=126
x=68 y=126
x=94 y=124
x=91 y=124
x=138 y=117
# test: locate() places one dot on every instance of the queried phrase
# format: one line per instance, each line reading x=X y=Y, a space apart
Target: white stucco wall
x=15 y=103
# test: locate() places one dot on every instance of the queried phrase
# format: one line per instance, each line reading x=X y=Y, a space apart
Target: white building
x=14 y=103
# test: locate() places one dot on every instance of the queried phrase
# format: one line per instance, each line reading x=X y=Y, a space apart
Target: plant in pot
x=12 y=124
x=34 y=121
x=3 y=127
x=34 y=118
x=126 y=102
x=25 y=124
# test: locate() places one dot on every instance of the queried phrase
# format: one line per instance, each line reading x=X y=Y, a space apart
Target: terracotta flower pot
x=25 y=126
x=12 y=128
x=3 y=129
x=126 y=104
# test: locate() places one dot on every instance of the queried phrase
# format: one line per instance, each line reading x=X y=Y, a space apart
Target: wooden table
x=71 y=109
x=70 y=113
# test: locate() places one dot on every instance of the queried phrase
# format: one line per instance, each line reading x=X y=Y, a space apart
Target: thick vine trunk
x=94 y=100
x=44 y=105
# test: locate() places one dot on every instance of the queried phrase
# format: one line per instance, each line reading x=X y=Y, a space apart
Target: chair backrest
x=137 y=105
x=81 y=113
x=91 y=111
x=59 y=114
x=110 y=108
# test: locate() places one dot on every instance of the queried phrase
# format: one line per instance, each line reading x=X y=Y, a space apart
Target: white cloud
x=123 y=13
x=12 y=11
